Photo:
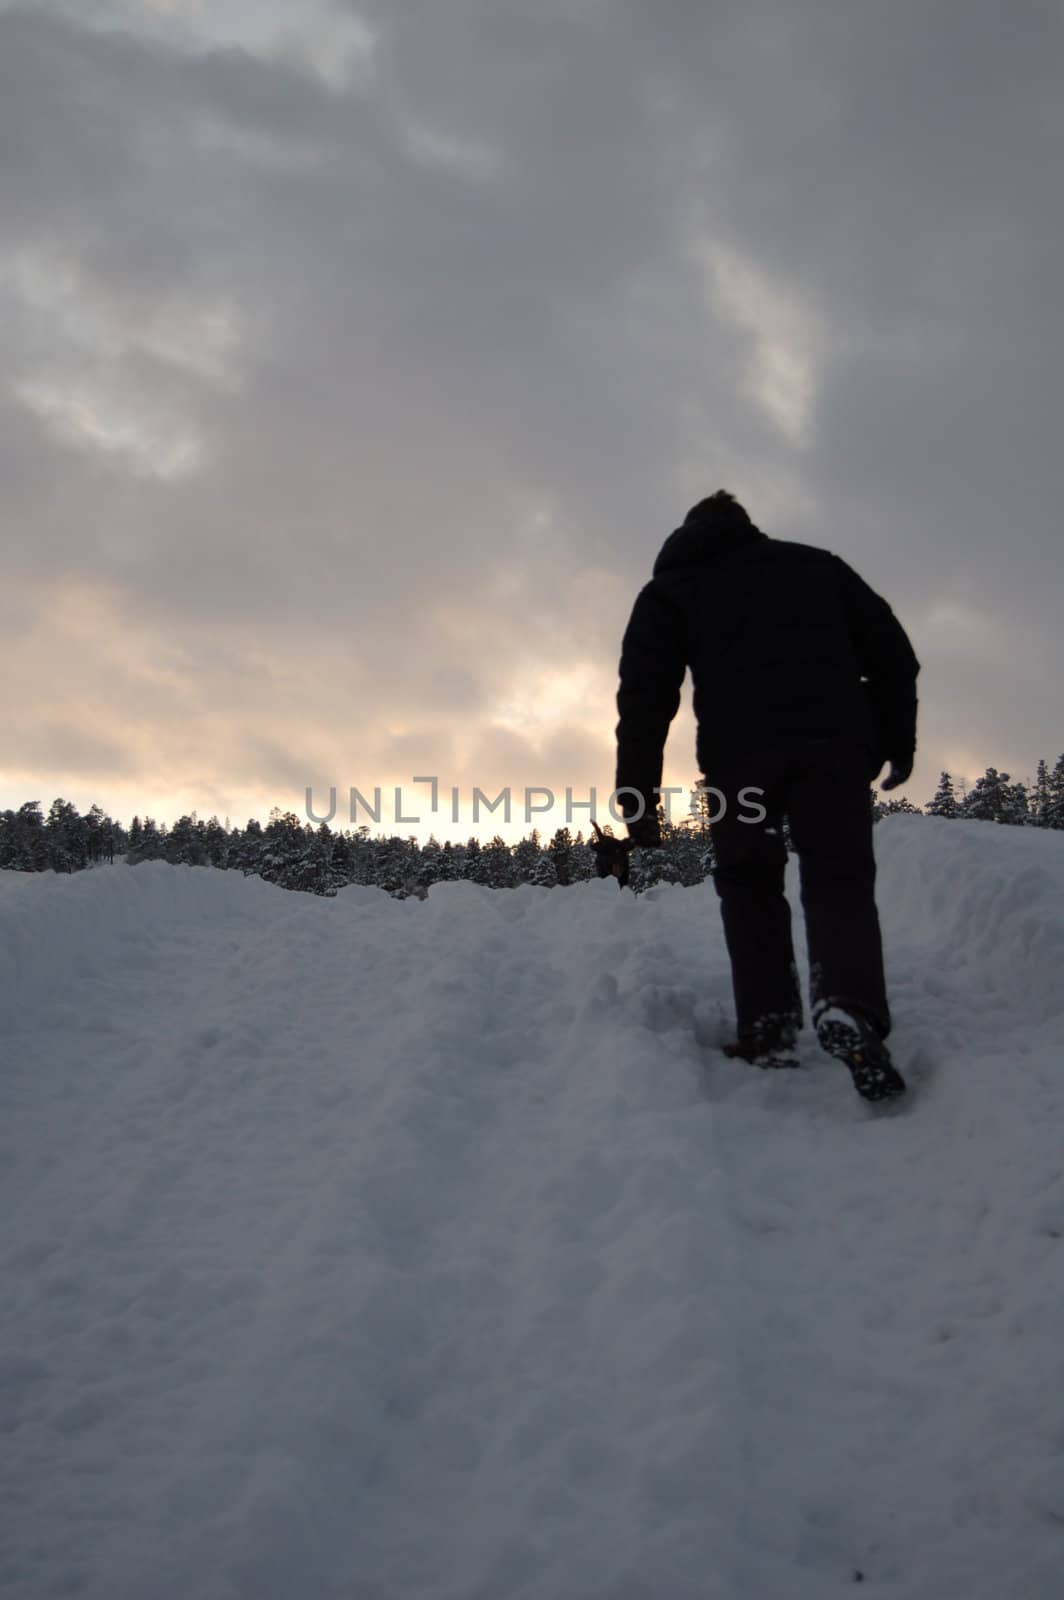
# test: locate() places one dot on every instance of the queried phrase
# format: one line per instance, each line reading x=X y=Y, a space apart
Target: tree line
x=317 y=860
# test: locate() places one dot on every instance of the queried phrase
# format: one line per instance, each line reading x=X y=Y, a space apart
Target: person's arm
x=888 y=663
x=653 y=663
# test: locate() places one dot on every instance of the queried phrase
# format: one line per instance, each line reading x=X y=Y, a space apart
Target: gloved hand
x=901 y=770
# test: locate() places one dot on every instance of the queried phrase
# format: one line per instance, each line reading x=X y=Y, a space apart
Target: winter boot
x=851 y=1039
x=767 y=1045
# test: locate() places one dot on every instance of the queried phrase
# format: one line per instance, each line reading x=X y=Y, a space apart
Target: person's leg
x=831 y=824
x=750 y=862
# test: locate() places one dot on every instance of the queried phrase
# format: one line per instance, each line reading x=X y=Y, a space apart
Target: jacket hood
x=709 y=532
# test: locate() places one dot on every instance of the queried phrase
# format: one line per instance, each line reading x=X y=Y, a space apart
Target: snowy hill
x=393 y=1250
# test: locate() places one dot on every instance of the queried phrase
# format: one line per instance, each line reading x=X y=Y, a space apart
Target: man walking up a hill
x=804 y=686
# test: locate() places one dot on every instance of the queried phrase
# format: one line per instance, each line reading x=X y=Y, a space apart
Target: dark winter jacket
x=783 y=640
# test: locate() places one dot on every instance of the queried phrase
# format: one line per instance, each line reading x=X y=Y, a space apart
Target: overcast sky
x=356 y=360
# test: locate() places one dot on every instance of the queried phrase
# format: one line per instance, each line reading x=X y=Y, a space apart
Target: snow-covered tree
x=900 y=808
x=216 y=843
x=430 y=863
x=649 y=867
x=1039 y=795
x=450 y=865
x=342 y=858
x=396 y=865
x=318 y=874
x=995 y=798
x=99 y=834
x=1053 y=814
x=685 y=845
x=152 y=841
x=526 y=854
x=362 y=856
x=246 y=848
x=560 y=851
x=498 y=865
x=473 y=869
x=581 y=861
x=65 y=837
x=25 y=847
x=282 y=851
x=185 y=846
x=543 y=873
x=944 y=801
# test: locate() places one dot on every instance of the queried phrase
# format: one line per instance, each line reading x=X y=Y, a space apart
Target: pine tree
x=24 y=847
x=581 y=861
x=363 y=859
x=65 y=837
x=944 y=802
x=543 y=873
x=318 y=875
x=498 y=865
x=284 y=846
x=685 y=845
x=152 y=840
x=32 y=845
x=394 y=869
x=1040 y=796
x=1053 y=816
x=473 y=863
x=246 y=850
x=430 y=863
x=216 y=843
x=650 y=867
x=185 y=847
x=560 y=851
x=526 y=854
x=342 y=858
x=1019 y=806
x=901 y=808
x=702 y=807
x=97 y=827
x=995 y=798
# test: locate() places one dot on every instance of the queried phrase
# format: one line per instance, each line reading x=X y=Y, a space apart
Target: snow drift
x=430 y=1251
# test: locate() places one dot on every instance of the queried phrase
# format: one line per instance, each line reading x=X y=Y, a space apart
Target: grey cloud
x=60 y=746
x=456 y=349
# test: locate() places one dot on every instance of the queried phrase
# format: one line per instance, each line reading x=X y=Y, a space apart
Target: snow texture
x=395 y=1250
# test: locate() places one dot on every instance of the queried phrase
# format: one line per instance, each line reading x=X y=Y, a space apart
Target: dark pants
x=822 y=787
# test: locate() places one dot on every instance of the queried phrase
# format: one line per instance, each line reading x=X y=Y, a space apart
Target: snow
x=430 y=1251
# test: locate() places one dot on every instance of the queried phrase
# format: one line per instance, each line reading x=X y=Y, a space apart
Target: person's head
x=711 y=528
x=720 y=508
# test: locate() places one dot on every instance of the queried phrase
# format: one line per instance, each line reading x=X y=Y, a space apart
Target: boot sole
x=768 y=1062
x=875 y=1077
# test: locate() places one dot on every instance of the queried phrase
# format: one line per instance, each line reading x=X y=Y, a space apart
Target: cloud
x=334 y=43
x=107 y=425
x=782 y=375
x=468 y=158
x=358 y=358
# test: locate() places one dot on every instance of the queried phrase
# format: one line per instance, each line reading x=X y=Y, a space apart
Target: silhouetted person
x=804 y=686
